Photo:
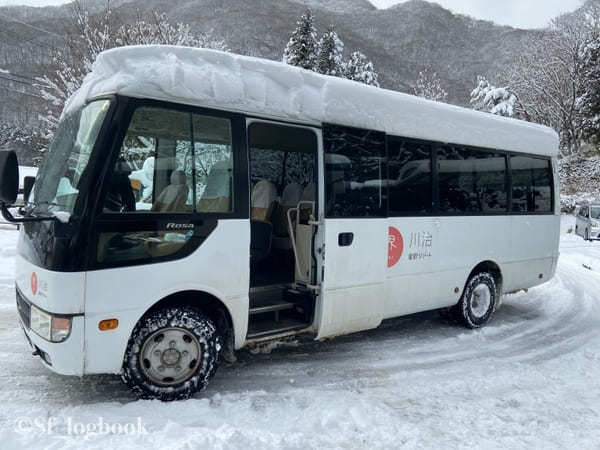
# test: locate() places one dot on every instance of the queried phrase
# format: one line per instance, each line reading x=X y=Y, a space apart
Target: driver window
x=170 y=162
x=173 y=162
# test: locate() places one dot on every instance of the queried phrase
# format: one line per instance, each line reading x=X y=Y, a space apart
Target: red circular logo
x=34 y=283
x=395 y=246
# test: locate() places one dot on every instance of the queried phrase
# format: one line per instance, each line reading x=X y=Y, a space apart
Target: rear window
x=531 y=184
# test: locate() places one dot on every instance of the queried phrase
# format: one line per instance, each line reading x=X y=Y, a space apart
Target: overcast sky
x=517 y=13
x=33 y=2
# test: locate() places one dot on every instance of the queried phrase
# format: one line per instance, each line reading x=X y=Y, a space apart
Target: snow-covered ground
x=529 y=379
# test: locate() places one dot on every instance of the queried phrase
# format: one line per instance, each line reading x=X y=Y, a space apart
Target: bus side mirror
x=9 y=177
x=27 y=187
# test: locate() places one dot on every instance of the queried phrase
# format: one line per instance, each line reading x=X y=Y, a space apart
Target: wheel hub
x=170 y=356
x=481 y=299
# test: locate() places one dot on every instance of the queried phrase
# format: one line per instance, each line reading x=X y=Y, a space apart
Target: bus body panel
x=520 y=275
x=66 y=358
x=55 y=292
x=413 y=250
x=352 y=296
x=59 y=293
x=413 y=293
x=439 y=254
x=219 y=267
x=534 y=251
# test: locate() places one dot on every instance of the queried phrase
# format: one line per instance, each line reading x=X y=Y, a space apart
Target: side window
x=170 y=162
x=531 y=184
x=214 y=164
x=471 y=181
x=355 y=171
x=410 y=178
x=173 y=162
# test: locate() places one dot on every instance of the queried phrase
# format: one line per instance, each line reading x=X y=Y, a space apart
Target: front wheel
x=478 y=300
x=587 y=234
x=172 y=353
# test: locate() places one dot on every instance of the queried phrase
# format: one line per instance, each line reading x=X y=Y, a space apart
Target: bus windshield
x=595 y=212
x=57 y=185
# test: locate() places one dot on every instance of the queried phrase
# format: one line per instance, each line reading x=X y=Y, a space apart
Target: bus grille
x=24 y=309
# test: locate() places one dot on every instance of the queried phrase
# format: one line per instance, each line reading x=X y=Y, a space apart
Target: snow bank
x=224 y=80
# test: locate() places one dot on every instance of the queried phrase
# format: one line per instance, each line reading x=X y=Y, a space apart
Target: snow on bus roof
x=273 y=89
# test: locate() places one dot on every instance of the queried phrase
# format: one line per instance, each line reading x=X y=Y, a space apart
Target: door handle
x=345 y=239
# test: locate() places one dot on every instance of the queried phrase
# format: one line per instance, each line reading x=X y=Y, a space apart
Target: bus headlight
x=595 y=224
x=49 y=327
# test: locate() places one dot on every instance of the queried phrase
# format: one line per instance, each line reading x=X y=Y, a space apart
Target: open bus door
x=354 y=231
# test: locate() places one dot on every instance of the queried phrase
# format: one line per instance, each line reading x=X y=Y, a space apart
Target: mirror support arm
x=12 y=219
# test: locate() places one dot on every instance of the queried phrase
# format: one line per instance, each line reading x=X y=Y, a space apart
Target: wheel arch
x=212 y=306
x=493 y=269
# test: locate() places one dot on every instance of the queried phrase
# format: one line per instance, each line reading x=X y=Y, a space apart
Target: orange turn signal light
x=108 y=324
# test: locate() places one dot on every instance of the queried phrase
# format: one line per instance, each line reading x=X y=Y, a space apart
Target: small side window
x=531 y=184
x=355 y=171
x=410 y=178
x=471 y=181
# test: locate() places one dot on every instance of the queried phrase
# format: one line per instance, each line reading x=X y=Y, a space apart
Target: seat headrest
x=291 y=194
x=178 y=177
x=263 y=194
x=309 y=193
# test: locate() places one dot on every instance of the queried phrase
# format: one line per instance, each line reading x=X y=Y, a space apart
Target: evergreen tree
x=488 y=98
x=302 y=48
x=358 y=68
x=331 y=49
x=589 y=100
x=429 y=86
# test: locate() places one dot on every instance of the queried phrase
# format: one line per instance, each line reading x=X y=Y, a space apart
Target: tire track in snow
x=548 y=322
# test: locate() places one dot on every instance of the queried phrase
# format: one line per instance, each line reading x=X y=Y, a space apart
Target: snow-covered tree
x=302 y=48
x=500 y=101
x=325 y=56
x=589 y=100
x=330 y=60
x=359 y=68
x=161 y=31
x=550 y=75
x=94 y=34
x=429 y=86
x=23 y=137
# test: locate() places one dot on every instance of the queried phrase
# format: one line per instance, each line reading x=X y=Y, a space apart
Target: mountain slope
x=401 y=40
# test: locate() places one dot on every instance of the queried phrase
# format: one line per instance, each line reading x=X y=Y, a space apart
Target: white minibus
x=194 y=202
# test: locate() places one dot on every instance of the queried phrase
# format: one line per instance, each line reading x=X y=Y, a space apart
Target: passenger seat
x=217 y=193
x=174 y=197
x=264 y=197
x=289 y=199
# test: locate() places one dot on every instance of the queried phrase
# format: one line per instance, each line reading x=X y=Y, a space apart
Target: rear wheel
x=478 y=301
x=587 y=234
x=172 y=353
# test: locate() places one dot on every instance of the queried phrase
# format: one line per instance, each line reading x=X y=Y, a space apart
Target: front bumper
x=65 y=358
